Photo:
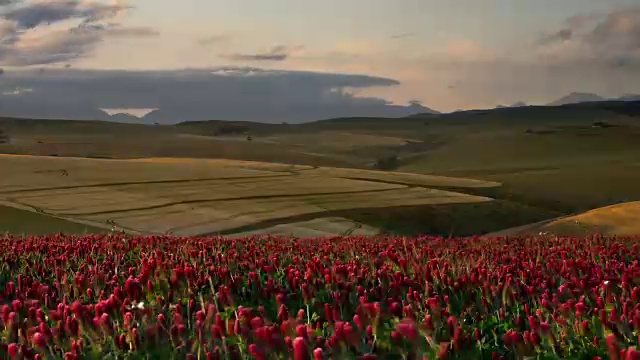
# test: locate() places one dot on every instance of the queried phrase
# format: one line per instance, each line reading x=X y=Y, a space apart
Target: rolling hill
x=550 y=160
x=576 y=97
x=620 y=219
x=203 y=196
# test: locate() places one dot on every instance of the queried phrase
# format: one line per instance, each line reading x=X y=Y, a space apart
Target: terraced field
x=198 y=196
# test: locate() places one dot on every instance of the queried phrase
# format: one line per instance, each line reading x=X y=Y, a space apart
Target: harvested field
x=197 y=196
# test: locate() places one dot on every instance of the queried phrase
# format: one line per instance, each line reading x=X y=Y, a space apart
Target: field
x=621 y=219
x=163 y=297
x=148 y=277
x=535 y=164
x=563 y=172
x=197 y=196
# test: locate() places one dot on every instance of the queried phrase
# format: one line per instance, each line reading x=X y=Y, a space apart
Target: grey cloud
x=276 y=53
x=57 y=46
x=620 y=29
x=625 y=62
x=213 y=39
x=139 y=31
x=403 y=35
x=7 y=29
x=60 y=45
x=611 y=40
x=558 y=36
x=202 y=94
x=580 y=21
x=34 y=14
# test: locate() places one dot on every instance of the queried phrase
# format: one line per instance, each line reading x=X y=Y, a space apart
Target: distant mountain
x=381 y=110
x=515 y=105
x=577 y=97
x=123 y=118
x=418 y=108
x=22 y=106
x=629 y=97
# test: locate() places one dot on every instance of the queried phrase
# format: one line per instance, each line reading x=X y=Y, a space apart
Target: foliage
x=231 y=129
x=387 y=163
x=4 y=137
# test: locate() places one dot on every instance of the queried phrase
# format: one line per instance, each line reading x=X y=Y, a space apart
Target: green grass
x=572 y=189
x=17 y=221
x=562 y=172
x=444 y=219
x=450 y=219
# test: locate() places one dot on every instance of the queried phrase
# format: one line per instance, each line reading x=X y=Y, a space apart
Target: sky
x=364 y=56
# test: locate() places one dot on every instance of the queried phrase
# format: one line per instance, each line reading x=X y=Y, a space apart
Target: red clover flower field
x=162 y=297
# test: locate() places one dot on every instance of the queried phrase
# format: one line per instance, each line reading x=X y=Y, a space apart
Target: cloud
x=7 y=28
x=403 y=35
x=275 y=53
x=54 y=45
x=51 y=11
x=50 y=46
x=610 y=40
x=224 y=93
x=213 y=39
x=137 y=31
x=16 y=92
x=578 y=22
x=43 y=32
x=620 y=28
x=467 y=51
x=558 y=36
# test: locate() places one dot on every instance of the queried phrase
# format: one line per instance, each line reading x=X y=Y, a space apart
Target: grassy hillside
x=621 y=219
x=18 y=221
x=549 y=160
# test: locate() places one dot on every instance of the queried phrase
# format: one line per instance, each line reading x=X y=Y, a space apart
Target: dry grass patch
x=215 y=216
x=621 y=219
x=196 y=196
x=80 y=201
x=21 y=172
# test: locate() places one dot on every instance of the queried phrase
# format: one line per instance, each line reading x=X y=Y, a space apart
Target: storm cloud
x=204 y=94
